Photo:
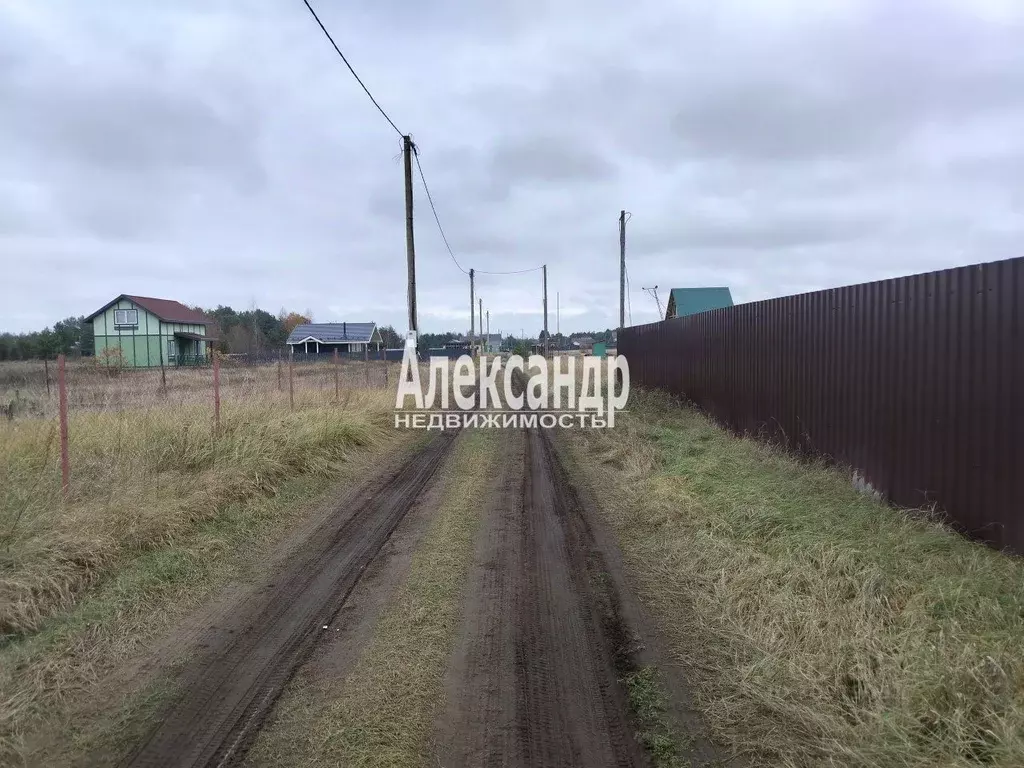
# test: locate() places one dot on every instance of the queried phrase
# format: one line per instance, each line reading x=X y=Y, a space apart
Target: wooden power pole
x=472 y=310
x=622 y=269
x=488 y=328
x=546 y=334
x=481 y=316
x=410 y=246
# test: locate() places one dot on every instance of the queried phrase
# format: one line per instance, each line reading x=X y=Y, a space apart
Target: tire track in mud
x=245 y=662
x=534 y=680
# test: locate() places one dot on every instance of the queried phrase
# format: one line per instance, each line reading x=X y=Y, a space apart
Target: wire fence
x=30 y=389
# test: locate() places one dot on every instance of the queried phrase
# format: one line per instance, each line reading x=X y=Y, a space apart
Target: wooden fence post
x=216 y=394
x=279 y=385
x=366 y=364
x=291 y=382
x=65 y=461
x=337 y=383
x=46 y=374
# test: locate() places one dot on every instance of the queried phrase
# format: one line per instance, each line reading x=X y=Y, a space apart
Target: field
x=306 y=584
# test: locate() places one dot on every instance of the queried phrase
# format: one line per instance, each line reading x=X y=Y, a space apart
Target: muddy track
x=535 y=678
x=243 y=663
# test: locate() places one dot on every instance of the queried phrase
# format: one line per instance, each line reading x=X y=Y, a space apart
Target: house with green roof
x=691 y=301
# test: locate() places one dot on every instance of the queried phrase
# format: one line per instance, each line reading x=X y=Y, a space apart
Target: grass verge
x=819 y=626
x=384 y=712
x=87 y=585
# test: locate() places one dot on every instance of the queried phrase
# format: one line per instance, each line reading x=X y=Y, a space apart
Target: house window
x=128 y=317
x=172 y=349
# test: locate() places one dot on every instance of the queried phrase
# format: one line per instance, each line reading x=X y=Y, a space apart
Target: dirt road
x=535 y=675
x=244 y=662
x=535 y=678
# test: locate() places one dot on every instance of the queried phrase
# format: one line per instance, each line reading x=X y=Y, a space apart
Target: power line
x=358 y=80
x=430 y=200
x=513 y=272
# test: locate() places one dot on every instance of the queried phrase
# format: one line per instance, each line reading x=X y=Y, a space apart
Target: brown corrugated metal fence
x=913 y=382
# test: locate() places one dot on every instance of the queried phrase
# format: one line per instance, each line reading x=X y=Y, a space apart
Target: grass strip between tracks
x=383 y=714
x=818 y=626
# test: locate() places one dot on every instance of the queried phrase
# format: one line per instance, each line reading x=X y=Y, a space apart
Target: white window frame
x=172 y=348
x=131 y=317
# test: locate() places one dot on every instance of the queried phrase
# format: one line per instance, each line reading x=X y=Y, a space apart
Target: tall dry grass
x=819 y=626
x=146 y=467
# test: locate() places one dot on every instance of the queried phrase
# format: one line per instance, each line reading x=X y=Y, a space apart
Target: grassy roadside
x=159 y=517
x=819 y=627
x=383 y=714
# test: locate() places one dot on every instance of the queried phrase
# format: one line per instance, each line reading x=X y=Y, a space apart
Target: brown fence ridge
x=914 y=382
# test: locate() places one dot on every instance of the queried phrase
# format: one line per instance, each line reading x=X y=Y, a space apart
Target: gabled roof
x=168 y=310
x=332 y=333
x=690 y=301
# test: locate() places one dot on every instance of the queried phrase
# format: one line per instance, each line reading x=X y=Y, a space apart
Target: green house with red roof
x=143 y=332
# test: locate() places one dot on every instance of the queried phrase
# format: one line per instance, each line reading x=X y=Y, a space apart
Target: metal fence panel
x=913 y=382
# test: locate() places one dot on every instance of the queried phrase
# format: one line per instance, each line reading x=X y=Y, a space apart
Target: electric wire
x=350 y=69
x=423 y=178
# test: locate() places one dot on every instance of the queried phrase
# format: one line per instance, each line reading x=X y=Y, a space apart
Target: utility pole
x=410 y=246
x=622 y=269
x=472 y=309
x=481 y=323
x=488 y=328
x=546 y=342
x=558 y=316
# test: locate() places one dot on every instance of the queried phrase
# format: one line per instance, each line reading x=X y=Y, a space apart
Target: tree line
x=250 y=331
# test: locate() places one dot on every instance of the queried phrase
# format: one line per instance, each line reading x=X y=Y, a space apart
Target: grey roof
x=332 y=333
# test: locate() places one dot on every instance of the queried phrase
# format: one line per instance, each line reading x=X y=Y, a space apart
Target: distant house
x=583 y=343
x=143 y=332
x=325 y=338
x=691 y=301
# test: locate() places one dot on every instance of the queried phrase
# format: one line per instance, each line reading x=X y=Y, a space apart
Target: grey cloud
x=764 y=146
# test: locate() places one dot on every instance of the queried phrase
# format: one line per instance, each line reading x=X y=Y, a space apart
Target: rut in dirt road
x=534 y=680
x=246 y=661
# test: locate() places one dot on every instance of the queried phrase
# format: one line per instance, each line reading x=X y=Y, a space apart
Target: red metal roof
x=167 y=310
x=170 y=311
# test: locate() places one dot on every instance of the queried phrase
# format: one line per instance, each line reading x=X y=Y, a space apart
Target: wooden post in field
x=337 y=384
x=65 y=461
x=291 y=382
x=46 y=374
x=216 y=394
x=279 y=387
x=163 y=375
x=366 y=363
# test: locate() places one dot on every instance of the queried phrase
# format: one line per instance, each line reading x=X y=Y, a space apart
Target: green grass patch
x=821 y=627
x=647 y=702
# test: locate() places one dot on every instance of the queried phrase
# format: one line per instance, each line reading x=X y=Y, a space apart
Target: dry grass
x=821 y=627
x=154 y=495
x=384 y=712
x=24 y=393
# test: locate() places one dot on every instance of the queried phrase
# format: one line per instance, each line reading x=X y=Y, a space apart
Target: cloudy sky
x=218 y=152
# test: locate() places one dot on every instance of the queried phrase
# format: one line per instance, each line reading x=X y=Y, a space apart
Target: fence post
x=385 y=373
x=279 y=387
x=46 y=375
x=366 y=364
x=163 y=374
x=291 y=382
x=216 y=393
x=65 y=461
x=337 y=385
